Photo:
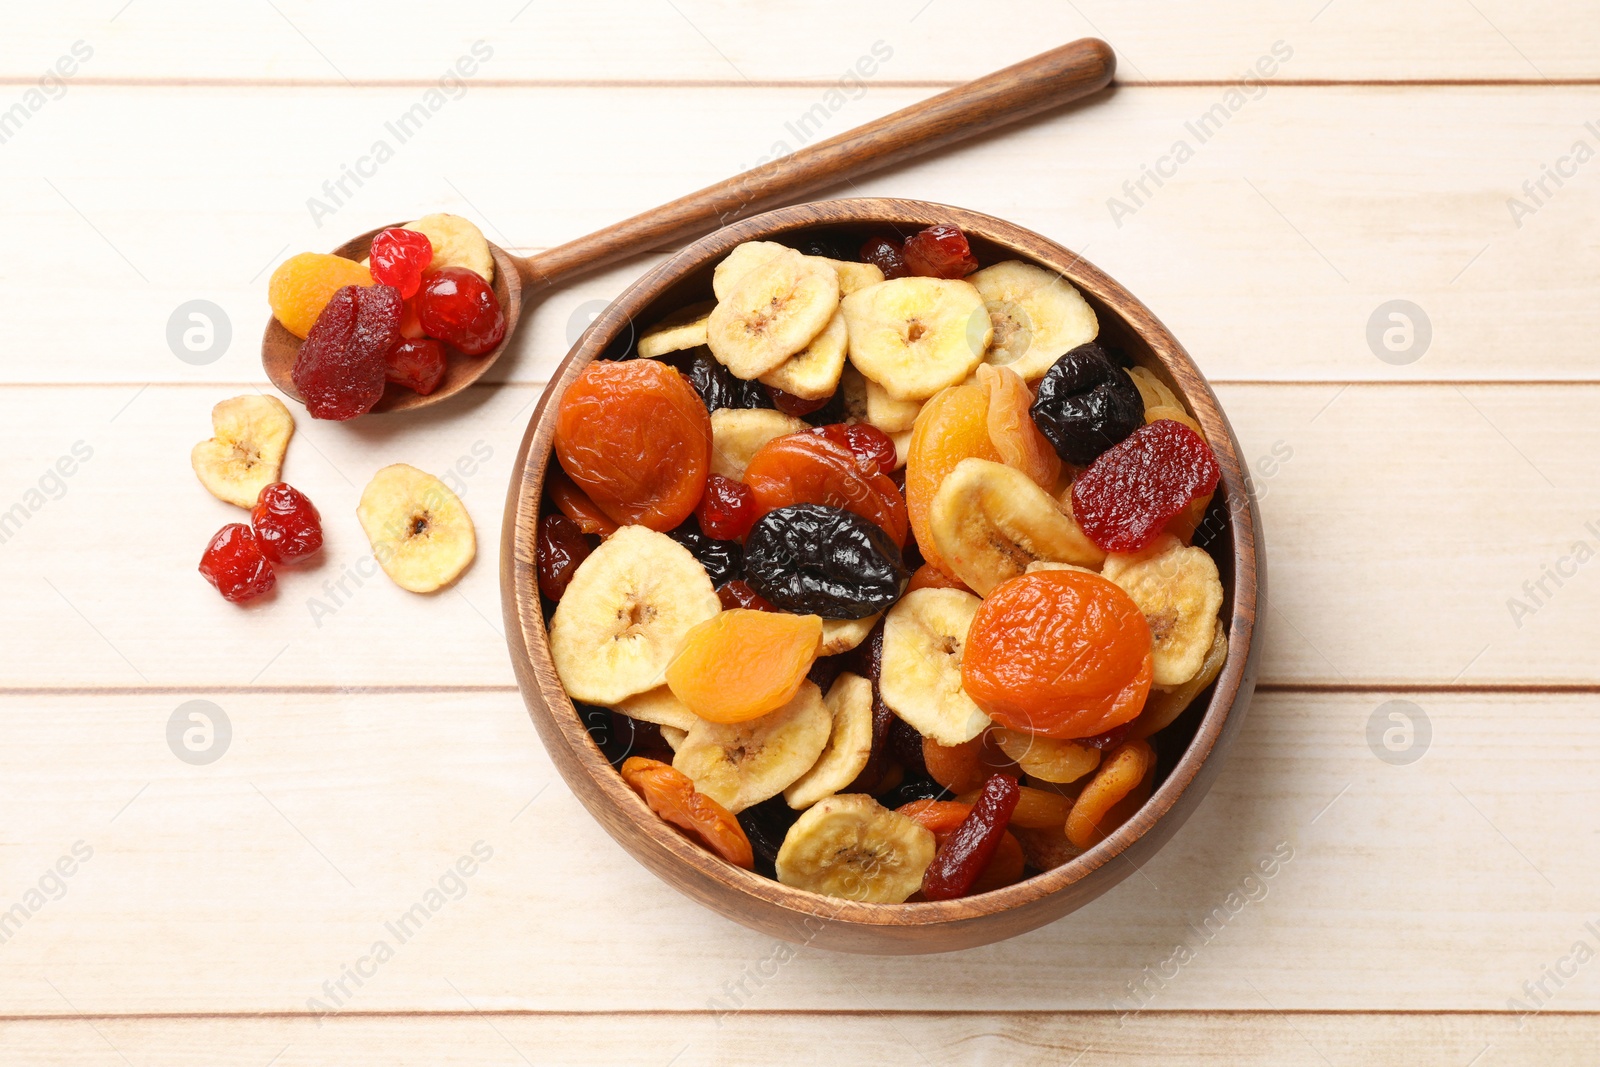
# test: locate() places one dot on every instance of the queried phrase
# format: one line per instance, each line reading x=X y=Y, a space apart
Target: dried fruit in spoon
x=1086 y=404
x=1127 y=496
x=968 y=850
x=1060 y=653
x=416 y=363
x=234 y=563
x=673 y=796
x=741 y=664
x=824 y=561
x=398 y=258
x=636 y=439
x=560 y=547
x=939 y=251
x=342 y=367
x=286 y=524
x=804 y=468
x=303 y=284
x=457 y=306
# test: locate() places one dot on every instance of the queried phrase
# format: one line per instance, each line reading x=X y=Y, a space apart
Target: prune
x=619 y=737
x=723 y=560
x=883 y=251
x=342 y=367
x=967 y=851
x=766 y=824
x=905 y=746
x=399 y=257
x=939 y=252
x=823 y=560
x=459 y=308
x=829 y=246
x=1129 y=494
x=234 y=563
x=1086 y=404
x=825 y=670
x=286 y=523
x=914 y=789
x=561 y=546
x=717 y=387
x=874 y=448
x=727 y=510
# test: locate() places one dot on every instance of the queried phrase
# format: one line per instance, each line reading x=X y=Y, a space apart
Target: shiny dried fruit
x=1086 y=404
x=723 y=560
x=1036 y=809
x=968 y=850
x=459 y=308
x=766 y=824
x=575 y=504
x=928 y=576
x=805 y=469
x=1119 y=788
x=726 y=510
x=398 y=258
x=342 y=367
x=416 y=363
x=824 y=561
x=939 y=817
x=673 y=796
x=798 y=406
x=636 y=439
x=953 y=426
x=1011 y=426
x=303 y=284
x=873 y=448
x=560 y=547
x=884 y=251
x=286 y=524
x=940 y=251
x=738 y=594
x=234 y=563
x=1060 y=653
x=1128 y=496
x=715 y=384
x=965 y=766
x=740 y=664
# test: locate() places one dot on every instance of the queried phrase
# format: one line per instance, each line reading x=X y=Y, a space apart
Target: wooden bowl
x=1189 y=751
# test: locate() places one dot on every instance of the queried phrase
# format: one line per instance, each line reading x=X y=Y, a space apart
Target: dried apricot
x=939 y=817
x=1036 y=809
x=635 y=437
x=1011 y=427
x=1004 y=868
x=742 y=663
x=801 y=468
x=953 y=426
x=1049 y=759
x=1061 y=653
x=575 y=505
x=302 y=286
x=672 y=795
x=965 y=766
x=928 y=576
x=1118 y=789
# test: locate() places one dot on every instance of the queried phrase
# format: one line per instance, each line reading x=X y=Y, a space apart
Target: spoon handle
x=1027 y=88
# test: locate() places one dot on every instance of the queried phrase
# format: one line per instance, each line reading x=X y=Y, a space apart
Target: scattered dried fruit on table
x=1129 y=495
x=1119 y=788
x=416 y=363
x=244 y=455
x=823 y=560
x=343 y=364
x=940 y=251
x=916 y=336
x=852 y=847
x=560 y=547
x=1037 y=314
x=234 y=563
x=286 y=524
x=398 y=258
x=1085 y=404
x=303 y=284
x=456 y=306
x=924 y=640
x=420 y=532
x=635 y=438
x=849 y=747
x=804 y=468
x=671 y=795
x=741 y=664
x=1179 y=590
x=744 y=763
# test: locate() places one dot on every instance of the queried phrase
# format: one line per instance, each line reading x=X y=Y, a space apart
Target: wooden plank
x=1386 y=564
x=243 y=885
x=699 y=40
x=913 y=1040
x=1269 y=253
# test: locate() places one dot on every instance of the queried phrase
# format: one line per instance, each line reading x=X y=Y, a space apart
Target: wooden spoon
x=1046 y=81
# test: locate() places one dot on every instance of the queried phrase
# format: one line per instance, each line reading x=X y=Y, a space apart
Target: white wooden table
x=1425 y=505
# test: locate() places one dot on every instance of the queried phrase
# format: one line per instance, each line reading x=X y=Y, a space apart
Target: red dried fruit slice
x=966 y=852
x=940 y=252
x=1129 y=494
x=342 y=367
x=398 y=258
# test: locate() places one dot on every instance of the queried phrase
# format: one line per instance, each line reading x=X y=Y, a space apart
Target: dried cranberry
x=1127 y=496
x=418 y=364
x=790 y=404
x=560 y=547
x=286 y=524
x=940 y=252
x=883 y=251
x=399 y=257
x=459 y=308
x=738 y=594
x=343 y=363
x=874 y=448
x=727 y=509
x=235 y=564
x=971 y=845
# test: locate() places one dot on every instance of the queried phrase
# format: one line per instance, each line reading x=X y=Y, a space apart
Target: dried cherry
x=822 y=560
x=798 y=406
x=286 y=523
x=636 y=439
x=801 y=468
x=738 y=594
x=723 y=560
x=1085 y=403
x=560 y=547
x=727 y=509
x=459 y=308
x=575 y=504
x=235 y=564
x=967 y=851
x=884 y=252
x=871 y=446
x=343 y=364
x=417 y=363
x=715 y=384
x=398 y=258
x=939 y=251
x=1127 y=496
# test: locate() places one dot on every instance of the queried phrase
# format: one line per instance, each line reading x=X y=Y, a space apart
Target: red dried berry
x=883 y=251
x=790 y=404
x=418 y=364
x=727 y=509
x=343 y=363
x=561 y=547
x=399 y=257
x=286 y=524
x=234 y=563
x=738 y=594
x=874 y=448
x=940 y=252
x=1129 y=494
x=459 y=308
x=970 y=846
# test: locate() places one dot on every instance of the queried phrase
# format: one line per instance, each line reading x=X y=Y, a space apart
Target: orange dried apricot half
x=803 y=468
x=741 y=664
x=952 y=426
x=302 y=286
x=1119 y=788
x=1011 y=426
x=672 y=795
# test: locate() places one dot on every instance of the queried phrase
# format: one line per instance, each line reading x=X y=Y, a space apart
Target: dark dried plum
x=823 y=560
x=1086 y=404
x=825 y=670
x=905 y=747
x=829 y=247
x=766 y=824
x=619 y=737
x=914 y=789
x=717 y=386
x=723 y=560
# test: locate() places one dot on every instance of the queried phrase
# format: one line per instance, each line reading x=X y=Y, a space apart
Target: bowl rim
x=617 y=804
